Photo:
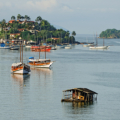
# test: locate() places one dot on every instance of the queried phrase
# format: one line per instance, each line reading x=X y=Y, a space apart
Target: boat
x=87 y=45
x=20 y=68
x=68 y=47
x=41 y=48
x=99 y=47
x=2 y=46
x=28 y=46
x=14 y=48
x=53 y=48
x=40 y=63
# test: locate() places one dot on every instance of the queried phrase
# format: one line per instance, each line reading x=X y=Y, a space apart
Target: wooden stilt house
x=79 y=95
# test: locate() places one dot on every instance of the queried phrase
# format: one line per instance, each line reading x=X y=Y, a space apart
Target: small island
x=39 y=30
x=110 y=33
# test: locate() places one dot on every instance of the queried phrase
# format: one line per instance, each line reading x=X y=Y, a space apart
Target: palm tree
x=67 y=35
x=39 y=19
x=73 y=34
x=18 y=16
x=26 y=17
x=22 y=17
x=13 y=18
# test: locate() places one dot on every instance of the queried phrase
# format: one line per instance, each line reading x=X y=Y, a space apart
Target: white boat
x=99 y=47
x=6 y=47
x=28 y=46
x=68 y=47
x=20 y=68
x=40 y=63
x=87 y=45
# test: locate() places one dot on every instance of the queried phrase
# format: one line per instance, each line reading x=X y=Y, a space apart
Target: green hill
x=110 y=33
x=38 y=30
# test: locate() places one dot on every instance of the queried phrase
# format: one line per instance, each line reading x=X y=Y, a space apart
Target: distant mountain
x=59 y=27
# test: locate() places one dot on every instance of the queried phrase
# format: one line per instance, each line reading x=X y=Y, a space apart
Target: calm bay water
x=38 y=96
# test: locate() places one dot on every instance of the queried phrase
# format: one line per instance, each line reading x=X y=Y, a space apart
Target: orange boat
x=41 y=48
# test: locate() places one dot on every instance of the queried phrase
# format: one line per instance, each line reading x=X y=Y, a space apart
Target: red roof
x=15 y=34
x=11 y=21
x=20 y=29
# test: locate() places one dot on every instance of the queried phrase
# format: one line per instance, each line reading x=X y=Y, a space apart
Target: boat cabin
x=79 y=95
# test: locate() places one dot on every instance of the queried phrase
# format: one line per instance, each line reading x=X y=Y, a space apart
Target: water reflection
x=20 y=79
x=78 y=107
x=42 y=71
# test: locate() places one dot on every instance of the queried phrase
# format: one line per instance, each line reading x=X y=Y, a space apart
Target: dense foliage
x=44 y=31
x=110 y=33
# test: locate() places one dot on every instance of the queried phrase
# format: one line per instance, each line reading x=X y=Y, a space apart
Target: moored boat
x=40 y=63
x=99 y=47
x=41 y=48
x=20 y=68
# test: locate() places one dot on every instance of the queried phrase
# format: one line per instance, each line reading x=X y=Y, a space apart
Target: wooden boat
x=20 y=68
x=41 y=48
x=78 y=95
x=40 y=63
x=99 y=47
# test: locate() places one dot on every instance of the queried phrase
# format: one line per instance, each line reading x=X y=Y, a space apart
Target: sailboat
x=20 y=68
x=40 y=63
x=99 y=47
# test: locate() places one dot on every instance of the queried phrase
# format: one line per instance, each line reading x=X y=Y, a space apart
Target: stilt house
x=79 y=95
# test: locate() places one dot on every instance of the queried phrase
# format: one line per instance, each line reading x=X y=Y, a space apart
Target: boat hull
x=99 y=47
x=42 y=66
x=21 y=71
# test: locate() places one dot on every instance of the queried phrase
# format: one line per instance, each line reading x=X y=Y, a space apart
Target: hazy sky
x=82 y=16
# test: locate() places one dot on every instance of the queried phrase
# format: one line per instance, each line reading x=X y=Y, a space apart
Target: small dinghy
x=14 y=48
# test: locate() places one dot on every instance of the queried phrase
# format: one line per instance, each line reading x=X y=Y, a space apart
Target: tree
x=26 y=17
x=39 y=19
x=18 y=16
x=73 y=34
x=22 y=17
x=13 y=18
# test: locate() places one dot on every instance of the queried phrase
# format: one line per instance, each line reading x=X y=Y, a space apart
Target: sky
x=81 y=16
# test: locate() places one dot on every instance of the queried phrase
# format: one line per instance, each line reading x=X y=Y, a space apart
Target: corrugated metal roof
x=85 y=90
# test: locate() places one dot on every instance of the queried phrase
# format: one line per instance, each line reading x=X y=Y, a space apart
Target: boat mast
x=20 y=51
x=103 y=41
x=96 y=40
x=45 y=50
x=39 y=50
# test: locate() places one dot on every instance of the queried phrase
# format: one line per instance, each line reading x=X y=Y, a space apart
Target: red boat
x=41 y=48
